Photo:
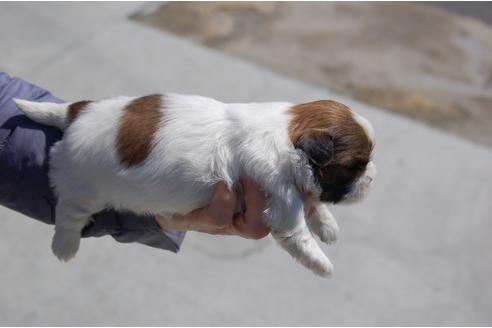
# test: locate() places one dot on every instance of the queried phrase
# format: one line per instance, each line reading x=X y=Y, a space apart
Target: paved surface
x=481 y=10
x=407 y=57
x=415 y=253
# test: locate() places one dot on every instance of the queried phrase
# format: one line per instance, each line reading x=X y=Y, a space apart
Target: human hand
x=218 y=218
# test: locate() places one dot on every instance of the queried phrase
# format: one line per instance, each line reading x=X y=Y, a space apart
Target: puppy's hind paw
x=322 y=268
x=304 y=248
x=65 y=244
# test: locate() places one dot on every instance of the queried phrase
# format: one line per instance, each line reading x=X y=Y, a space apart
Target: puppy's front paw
x=326 y=230
x=323 y=224
x=327 y=233
x=65 y=244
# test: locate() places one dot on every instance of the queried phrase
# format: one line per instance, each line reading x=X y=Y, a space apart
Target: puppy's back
x=145 y=153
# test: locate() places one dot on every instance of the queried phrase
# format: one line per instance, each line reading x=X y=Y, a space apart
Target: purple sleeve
x=24 y=184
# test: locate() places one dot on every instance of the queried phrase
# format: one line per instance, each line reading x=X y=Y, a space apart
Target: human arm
x=24 y=184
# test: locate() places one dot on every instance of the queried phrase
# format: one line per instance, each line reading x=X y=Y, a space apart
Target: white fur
x=323 y=224
x=200 y=141
x=366 y=125
x=44 y=113
x=361 y=186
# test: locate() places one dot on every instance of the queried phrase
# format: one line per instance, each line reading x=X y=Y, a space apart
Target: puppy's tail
x=46 y=113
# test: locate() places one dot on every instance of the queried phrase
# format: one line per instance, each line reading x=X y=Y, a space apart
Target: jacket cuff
x=127 y=227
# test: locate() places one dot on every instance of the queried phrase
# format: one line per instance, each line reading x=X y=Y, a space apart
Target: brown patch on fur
x=335 y=144
x=331 y=119
x=137 y=127
x=75 y=108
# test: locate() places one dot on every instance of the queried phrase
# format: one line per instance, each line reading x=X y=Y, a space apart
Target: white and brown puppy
x=163 y=154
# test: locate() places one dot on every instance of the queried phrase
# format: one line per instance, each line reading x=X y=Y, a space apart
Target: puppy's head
x=337 y=145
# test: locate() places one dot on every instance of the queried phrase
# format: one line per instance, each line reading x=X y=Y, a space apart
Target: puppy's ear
x=317 y=146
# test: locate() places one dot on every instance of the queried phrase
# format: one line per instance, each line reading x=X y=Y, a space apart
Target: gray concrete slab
x=405 y=57
x=415 y=253
x=34 y=33
x=481 y=10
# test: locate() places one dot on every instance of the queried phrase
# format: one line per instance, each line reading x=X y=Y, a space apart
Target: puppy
x=163 y=154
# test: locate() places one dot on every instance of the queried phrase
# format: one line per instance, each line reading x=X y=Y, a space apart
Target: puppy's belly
x=178 y=176
x=148 y=189
x=161 y=199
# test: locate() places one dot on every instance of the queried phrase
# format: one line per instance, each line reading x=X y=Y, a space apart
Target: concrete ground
x=406 y=57
x=481 y=10
x=415 y=253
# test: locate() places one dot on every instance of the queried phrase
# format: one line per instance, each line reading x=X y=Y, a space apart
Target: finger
x=213 y=219
x=221 y=211
x=248 y=229
x=220 y=231
x=251 y=223
x=256 y=201
x=253 y=194
x=182 y=222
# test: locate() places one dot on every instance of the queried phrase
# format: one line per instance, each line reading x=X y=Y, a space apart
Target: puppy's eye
x=357 y=166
